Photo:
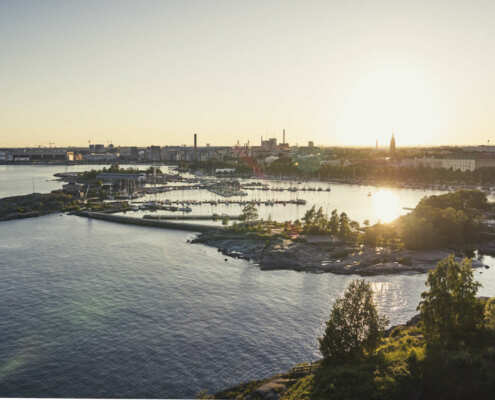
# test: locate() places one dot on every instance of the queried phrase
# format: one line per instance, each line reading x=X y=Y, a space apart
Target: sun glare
x=386 y=206
x=393 y=98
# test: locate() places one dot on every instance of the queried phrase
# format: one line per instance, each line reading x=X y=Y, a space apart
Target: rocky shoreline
x=321 y=254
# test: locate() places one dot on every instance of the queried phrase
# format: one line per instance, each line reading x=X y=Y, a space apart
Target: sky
x=333 y=72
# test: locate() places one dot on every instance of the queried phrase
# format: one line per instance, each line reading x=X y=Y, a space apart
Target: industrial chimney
x=195 y=147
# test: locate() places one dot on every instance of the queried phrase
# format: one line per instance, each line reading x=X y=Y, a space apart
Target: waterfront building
x=466 y=163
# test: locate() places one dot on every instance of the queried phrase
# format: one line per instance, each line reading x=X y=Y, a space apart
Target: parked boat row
x=186 y=204
x=289 y=189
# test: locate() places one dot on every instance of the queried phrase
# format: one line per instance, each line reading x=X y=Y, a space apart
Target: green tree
x=249 y=213
x=451 y=313
x=334 y=223
x=344 y=227
x=308 y=218
x=354 y=329
x=490 y=314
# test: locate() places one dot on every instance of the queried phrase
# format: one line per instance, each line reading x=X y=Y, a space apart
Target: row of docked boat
x=186 y=204
x=287 y=189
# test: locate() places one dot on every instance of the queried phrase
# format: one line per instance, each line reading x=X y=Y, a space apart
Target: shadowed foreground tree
x=450 y=311
x=354 y=329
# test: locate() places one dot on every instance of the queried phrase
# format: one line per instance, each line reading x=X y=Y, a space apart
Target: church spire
x=392 y=144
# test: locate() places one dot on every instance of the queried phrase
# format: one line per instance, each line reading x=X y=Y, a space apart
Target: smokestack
x=195 y=147
x=283 y=140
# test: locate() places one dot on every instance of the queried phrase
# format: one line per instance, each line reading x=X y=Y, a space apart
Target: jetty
x=121 y=219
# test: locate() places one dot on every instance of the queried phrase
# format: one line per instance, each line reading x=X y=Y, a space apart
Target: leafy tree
x=309 y=216
x=490 y=314
x=334 y=223
x=354 y=329
x=249 y=213
x=344 y=227
x=451 y=313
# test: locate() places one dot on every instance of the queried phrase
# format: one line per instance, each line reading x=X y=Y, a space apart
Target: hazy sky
x=335 y=72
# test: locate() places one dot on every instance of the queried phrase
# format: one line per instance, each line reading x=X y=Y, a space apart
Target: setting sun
x=390 y=98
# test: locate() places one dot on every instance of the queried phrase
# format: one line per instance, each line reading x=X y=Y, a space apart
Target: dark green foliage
x=451 y=313
x=36 y=204
x=447 y=220
x=317 y=222
x=283 y=166
x=354 y=329
x=460 y=200
x=249 y=213
x=380 y=172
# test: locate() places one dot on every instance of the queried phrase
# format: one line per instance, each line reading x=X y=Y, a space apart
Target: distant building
x=76 y=189
x=97 y=148
x=311 y=144
x=117 y=177
x=457 y=164
x=222 y=171
x=104 y=157
x=269 y=145
x=392 y=145
x=129 y=153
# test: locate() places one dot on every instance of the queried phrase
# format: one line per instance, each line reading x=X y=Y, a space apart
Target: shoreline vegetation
x=447 y=351
x=452 y=223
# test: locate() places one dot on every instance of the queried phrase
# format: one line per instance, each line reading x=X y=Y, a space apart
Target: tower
x=392 y=145
x=195 y=147
x=283 y=136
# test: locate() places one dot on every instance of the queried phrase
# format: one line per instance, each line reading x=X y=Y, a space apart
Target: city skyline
x=338 y=74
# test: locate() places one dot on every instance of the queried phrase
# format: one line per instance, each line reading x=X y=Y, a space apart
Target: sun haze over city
x=335 y=72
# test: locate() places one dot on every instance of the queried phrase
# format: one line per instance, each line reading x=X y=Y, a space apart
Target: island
x=457 y=222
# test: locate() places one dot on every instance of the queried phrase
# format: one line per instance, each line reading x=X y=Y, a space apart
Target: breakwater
x=149 y=222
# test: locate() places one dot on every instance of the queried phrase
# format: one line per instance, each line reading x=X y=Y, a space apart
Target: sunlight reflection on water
x=386 y=205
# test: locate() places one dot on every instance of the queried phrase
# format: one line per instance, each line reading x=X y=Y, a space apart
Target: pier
x=149 y=222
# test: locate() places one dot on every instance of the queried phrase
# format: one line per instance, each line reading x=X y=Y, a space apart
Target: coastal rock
x=270 y=390
x=338 y=258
